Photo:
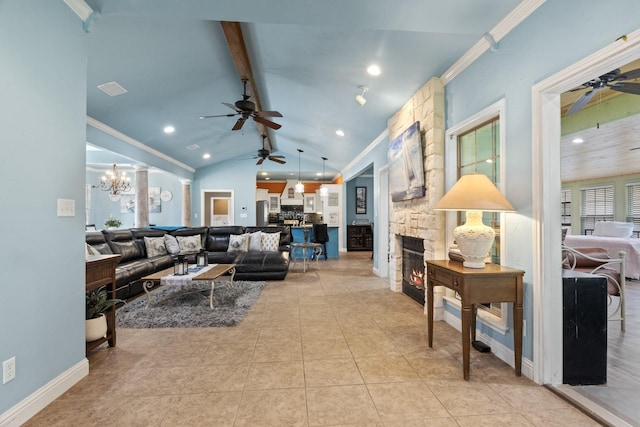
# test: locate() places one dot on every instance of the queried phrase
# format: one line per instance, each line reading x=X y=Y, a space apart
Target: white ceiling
x=308 y=60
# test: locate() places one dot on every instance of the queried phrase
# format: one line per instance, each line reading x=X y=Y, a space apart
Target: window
x=566 y=208
x=479 y=151
x=597 y=205
x=633 y=205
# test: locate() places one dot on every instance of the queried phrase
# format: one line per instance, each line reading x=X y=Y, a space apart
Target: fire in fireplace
x=413 y=277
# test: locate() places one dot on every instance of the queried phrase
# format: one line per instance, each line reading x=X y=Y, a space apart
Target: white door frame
x=219 y=193
x=382 y=226
x=546 y=189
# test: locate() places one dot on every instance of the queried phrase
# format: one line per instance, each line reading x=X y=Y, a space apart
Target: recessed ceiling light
x=206 y=155
x=373 y=70
x=267 y=178
x=318 y=173
x=578 y=140
x=340 y=132
x=265 y=173
x=169 y=129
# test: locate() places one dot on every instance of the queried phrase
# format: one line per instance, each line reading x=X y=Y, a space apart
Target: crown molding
x=491 y=39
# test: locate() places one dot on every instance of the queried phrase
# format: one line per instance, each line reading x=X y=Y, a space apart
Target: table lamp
x=475 y=194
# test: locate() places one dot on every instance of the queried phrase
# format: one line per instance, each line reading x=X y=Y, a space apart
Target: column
x=142 y=196
x=186 y=202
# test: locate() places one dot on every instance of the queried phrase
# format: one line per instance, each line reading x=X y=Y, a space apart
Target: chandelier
x=115 y=182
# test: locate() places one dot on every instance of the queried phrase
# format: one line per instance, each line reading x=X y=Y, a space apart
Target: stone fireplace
x=415 y=218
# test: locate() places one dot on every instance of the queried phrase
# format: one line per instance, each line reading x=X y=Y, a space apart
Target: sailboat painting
x=406 y=172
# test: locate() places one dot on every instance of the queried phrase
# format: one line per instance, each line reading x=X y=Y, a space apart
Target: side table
x=101 y=271
x=494 y=283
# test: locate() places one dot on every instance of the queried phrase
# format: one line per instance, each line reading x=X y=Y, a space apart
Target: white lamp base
x=474 y=240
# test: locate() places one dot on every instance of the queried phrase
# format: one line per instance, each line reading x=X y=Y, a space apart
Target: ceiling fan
x=263 y=154
x=614 y=80
x=245 y=109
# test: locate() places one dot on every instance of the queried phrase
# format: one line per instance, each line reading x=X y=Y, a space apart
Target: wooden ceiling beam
x=238 y=49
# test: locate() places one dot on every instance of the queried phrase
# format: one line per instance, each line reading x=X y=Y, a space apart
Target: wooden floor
x=620 y=394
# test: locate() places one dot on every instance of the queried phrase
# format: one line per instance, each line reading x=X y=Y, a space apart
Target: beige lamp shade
x=474 y=191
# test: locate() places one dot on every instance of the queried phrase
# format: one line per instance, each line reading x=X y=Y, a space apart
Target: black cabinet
x=584 y=311
x=359 y=238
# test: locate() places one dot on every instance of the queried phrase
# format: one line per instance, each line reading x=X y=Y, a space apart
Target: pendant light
x=299 y=185
x=324 y=190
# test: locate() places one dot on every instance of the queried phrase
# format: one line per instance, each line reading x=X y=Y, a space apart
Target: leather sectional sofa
x=134 y=263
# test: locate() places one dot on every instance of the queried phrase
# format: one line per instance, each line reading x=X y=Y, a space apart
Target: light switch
x=66 y=207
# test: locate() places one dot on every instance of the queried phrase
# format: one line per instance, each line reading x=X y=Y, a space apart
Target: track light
x=360 y=99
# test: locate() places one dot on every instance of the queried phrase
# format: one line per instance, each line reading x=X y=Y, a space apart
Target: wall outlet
x=8 y=370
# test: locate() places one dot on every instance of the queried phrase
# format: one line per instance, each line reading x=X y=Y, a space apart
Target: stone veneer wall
x=416 y=217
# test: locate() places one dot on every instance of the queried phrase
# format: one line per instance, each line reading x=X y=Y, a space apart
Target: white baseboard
x=31 y=405
x=503 y=352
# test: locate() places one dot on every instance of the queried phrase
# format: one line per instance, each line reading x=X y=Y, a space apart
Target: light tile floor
x=332 y=346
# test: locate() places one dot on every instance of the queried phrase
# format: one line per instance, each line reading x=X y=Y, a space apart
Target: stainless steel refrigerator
x=262 y=213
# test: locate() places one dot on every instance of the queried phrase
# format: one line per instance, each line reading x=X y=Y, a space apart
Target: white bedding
x=631 y=246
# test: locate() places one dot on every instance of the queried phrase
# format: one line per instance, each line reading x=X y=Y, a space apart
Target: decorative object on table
x=97 y=302
x=182 y=307
x=202 y=259
x=112 y=222
x=406 y=172
x=475 y=194
x=361 y=200
x=299 y=185
x=115 y=182
x=180 y=265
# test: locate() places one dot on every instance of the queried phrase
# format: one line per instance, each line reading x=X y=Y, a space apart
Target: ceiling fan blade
x=581 y=102
x=266 y=122
x=268 y=113
x=273 y=159
x=259 y=162
x=233 y=107
x=278 y=156
x=629 y=75
x=238 y=124
x=626 y=87
x=219 y=115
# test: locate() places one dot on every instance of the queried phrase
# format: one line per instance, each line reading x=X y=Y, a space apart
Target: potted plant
x=112 y=222
x=97 y=302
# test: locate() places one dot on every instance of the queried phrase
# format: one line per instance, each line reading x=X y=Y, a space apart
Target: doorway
x=217 y=207
x=547 y=212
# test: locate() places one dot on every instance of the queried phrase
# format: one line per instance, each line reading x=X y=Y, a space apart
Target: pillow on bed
x=613 y=229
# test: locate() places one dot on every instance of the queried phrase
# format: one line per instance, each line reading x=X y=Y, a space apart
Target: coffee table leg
x=146 y=285
x=213 y=285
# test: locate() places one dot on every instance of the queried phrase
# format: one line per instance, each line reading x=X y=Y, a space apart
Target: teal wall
x=558 y=34
x=102 y=207
x=350 y=196
x=42 y=113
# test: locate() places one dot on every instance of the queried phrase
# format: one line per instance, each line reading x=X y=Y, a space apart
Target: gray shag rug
x=188 y=306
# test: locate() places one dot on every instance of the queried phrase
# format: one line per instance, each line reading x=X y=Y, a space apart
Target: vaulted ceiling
x=305 y=59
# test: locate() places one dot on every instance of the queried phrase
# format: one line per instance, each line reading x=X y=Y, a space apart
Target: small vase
x=96 y=328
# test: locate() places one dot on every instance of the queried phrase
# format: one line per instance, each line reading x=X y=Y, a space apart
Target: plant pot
x=96 y=328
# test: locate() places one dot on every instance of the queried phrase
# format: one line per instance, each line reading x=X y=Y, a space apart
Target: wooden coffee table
x=209 y=275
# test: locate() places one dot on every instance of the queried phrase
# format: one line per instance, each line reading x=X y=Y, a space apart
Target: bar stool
x=321 y=235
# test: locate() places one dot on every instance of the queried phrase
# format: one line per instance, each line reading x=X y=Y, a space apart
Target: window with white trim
x=597 y=205
x=633 y=204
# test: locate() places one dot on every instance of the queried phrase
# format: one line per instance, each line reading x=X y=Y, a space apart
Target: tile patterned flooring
x=332 y=346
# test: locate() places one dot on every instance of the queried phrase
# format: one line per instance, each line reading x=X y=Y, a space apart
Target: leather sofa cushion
x=128 y=250
x=221 y=257
x=261 y=261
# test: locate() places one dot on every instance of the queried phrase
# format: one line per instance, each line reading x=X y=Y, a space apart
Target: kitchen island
x=297 y=236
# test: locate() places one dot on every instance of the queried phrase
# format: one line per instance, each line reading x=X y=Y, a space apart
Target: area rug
x=188 y=306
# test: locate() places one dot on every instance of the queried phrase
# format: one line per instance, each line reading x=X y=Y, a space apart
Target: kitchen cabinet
x=310 y=203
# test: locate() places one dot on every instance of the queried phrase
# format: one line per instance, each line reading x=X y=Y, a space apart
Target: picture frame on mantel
x=361 y=200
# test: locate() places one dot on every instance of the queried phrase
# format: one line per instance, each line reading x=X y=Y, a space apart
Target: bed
x=613 y=245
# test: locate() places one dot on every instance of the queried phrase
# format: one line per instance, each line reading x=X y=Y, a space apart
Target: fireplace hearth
x=413 y=275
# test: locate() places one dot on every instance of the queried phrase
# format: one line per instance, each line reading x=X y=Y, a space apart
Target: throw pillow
x=189 y=244
x=171 y=244
x=255 y=241
x=155 y=246
x=238 y=242
x=270 y=242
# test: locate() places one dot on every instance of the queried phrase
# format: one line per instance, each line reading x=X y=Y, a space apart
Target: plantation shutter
x=633 y=205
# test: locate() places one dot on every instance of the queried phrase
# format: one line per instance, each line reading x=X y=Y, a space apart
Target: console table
x=494 y=283
x=101 y=271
